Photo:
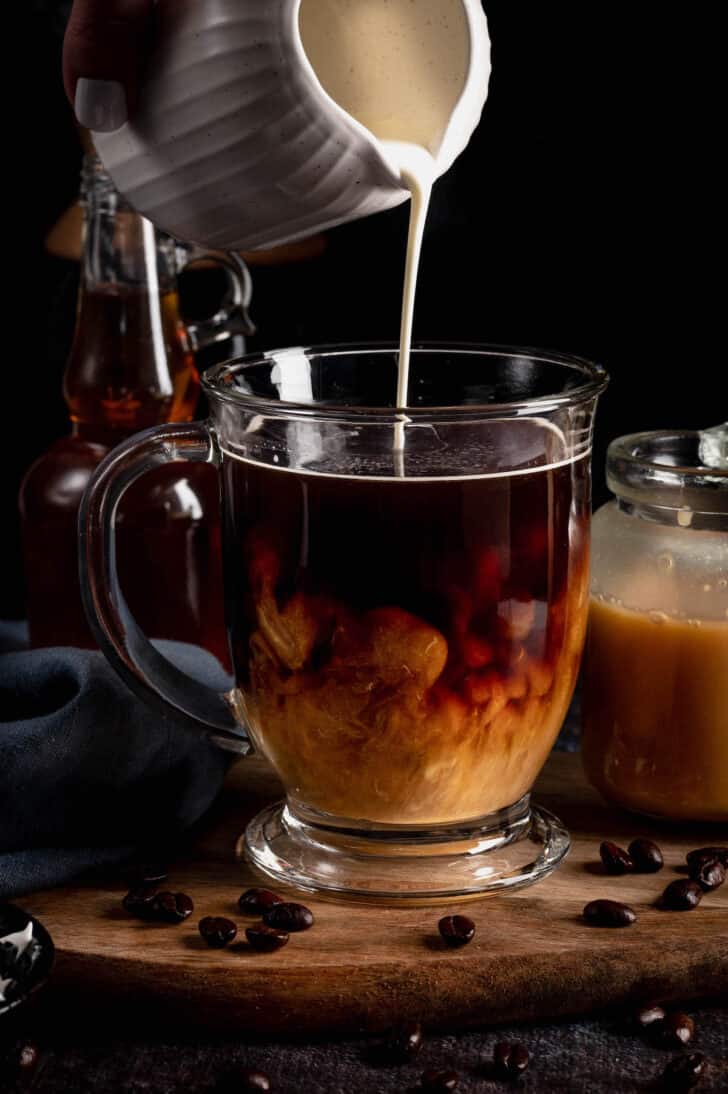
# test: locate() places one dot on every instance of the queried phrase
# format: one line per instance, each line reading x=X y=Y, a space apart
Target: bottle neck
x=131 y=365
x=120 y=247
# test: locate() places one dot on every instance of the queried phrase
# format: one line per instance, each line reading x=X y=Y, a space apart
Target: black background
x=583 y=217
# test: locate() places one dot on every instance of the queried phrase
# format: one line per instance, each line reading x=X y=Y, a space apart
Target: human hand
x=103 y=50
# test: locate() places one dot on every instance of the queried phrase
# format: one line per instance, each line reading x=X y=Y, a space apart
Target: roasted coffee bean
x=18 y=1060
x=28 y=1057
x=440 y=1080
x=675 y=1031
x=289 y=917
x=615 y=859
x=266 y=939
x=171 y=907
x=705 y=853
x=404 y=1043
x=649 y=1016
x=217 y=931
x=457 y=930
x=609 y=913
x=244 y=1081
x=684 y=1072
x=251 y=1081
x=646 y=856
x=139 y=900
x=258 y=901
x=682 y=896
x=709 y=873
x=509 y=1061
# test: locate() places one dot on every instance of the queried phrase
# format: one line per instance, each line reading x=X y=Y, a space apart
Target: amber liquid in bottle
x=131 y=367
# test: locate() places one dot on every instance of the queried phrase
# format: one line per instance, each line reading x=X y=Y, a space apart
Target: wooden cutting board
x=363 y=968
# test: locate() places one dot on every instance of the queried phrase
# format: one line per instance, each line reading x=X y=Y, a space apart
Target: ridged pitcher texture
x=237 y=146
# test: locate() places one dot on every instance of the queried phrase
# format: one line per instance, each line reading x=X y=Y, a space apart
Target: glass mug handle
x=153 y=677
x=233 y=316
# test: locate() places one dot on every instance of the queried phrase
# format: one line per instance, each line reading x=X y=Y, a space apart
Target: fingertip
x=100 y=105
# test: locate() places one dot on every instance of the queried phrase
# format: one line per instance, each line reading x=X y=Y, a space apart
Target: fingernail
x=100 y=105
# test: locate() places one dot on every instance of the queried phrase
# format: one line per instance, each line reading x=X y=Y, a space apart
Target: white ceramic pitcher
x=237 y=146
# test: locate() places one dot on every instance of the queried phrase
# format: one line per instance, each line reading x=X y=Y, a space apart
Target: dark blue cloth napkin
x=88 y=773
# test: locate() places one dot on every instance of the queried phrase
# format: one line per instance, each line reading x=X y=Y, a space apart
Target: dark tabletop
x=84 y=1052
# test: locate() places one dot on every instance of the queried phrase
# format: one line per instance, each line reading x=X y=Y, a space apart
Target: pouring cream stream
x=398 y=67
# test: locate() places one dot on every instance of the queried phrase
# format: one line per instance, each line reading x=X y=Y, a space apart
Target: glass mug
x=406 y=596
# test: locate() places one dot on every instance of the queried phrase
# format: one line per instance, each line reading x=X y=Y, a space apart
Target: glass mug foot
x=392 y=864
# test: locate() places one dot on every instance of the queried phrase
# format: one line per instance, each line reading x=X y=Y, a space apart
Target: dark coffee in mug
x=405 y=648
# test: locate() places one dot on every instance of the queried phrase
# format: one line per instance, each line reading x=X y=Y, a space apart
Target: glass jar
x=655 y=734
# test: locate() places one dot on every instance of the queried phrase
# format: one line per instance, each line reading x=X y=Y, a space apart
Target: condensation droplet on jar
x=664 y=562
x=657 y=617
x=685 y=517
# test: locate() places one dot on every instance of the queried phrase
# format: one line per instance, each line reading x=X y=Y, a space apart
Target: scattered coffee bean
x=18 y=1060
x=709 y=873
x=509 y=1061
x=609 y=913
x=266 y=939
x=244 y=1081
x=646 y=856
x=28 y=1057
x=289 y=917
x=139 y=900
x=684 y=1072
x=217 y=931
x=404 y=1043
x=649 y=1016
x=171 y=907
x=251 y=1081
x=675 y=1031
x=704 y=853
x=440 y=1080
x=615 y=859
x=457 y=930
x=682 y=896
x=258 y=901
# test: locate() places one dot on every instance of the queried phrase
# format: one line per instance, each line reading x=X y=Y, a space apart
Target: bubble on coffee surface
x=502 y=447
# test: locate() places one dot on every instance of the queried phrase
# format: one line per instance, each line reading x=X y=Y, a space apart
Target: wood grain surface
x=363 y=968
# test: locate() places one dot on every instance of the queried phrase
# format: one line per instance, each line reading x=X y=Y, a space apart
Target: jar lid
x=668 y=469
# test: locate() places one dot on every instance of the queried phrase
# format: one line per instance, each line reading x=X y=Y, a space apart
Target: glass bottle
x=131 y=366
